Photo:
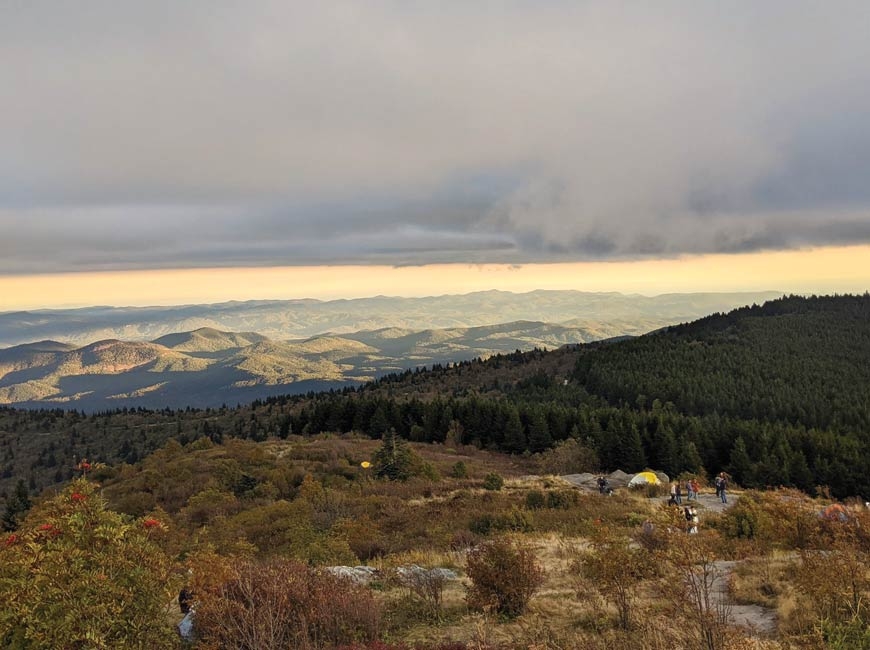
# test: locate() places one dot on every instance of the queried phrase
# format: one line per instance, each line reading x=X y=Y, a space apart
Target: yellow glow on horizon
x=820 y=270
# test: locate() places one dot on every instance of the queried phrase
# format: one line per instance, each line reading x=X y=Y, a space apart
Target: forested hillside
x=775 y=395
x=797 y=360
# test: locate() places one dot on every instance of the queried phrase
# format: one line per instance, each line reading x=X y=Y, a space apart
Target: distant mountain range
x=599 y=315
x=209 y=367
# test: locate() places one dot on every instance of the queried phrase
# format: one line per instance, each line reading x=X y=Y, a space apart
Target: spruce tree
x=539 y=432
x=741 y=466
x=514 y=436
x=17 y=506
x=393 y=460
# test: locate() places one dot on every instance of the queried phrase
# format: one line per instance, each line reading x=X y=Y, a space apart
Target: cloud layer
x=162 y=134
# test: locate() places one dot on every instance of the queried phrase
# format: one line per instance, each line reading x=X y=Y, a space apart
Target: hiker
x=696 y=488
x=717 y=482
x=723 y=483
x=679 y=493
x=602 y=485
x=688 y=516
x=673 y=500
x=689 y=493
x=185 y=600
x=693 y=521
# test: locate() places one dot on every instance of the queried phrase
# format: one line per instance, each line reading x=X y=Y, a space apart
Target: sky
x=164 y=152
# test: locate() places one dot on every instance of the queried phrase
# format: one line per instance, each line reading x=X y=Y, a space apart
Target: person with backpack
x=723 y=484
x=673 y=500
x=717 y=483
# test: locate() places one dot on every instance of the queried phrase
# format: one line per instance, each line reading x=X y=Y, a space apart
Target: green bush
x=513 y=520
x=493 y=482
x=77 y=575
x=459 y=470
x=535 y=500
x=561 y=500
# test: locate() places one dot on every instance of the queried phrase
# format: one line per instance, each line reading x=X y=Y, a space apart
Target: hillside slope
x=798 y=360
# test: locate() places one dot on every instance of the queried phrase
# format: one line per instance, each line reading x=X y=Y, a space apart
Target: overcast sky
x=138 y=135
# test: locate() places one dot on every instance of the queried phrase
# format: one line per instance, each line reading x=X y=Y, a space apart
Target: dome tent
x=644 y=478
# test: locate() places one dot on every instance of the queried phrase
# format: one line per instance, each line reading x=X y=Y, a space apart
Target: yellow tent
x=643 y=478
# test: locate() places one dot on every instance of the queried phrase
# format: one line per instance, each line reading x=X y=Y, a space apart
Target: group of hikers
x=693 y=489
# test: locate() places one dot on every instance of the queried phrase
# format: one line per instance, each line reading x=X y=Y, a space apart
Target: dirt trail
x=761 y=621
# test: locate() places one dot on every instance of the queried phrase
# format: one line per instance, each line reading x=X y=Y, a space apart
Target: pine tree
x=16 y=506
x=539 y=432
x=514 y=436
x=741 y=466
x=393 y=460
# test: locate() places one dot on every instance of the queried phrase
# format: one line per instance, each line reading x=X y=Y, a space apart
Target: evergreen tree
x=393 y=460
x=663 y=452
x=690 y=459
x=741 y=466
x=17 y=506
x=514 y=436
x=539 y=432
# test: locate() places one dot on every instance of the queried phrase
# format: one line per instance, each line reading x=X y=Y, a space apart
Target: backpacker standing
x=673 y=500
x=723 y=484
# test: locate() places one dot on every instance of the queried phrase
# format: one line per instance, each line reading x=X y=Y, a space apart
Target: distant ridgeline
x=777 y=394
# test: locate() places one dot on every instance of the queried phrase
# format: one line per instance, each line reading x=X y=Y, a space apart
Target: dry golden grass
x=762 y=580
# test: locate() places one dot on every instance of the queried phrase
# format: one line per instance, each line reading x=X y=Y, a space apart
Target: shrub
x=493 y=482
x=427 y=471
x=561 y=500
x=505 y=575
x=78 y=575
x=535 y=500
x=512 y=520
x=425 y=589
x=459 y=470
x=777 y=518
x=281 y=604
x=568 y=457
x=616 y=568
x=462 y=540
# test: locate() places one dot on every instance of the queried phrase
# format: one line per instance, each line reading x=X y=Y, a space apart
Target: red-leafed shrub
x=281 y=604
x=505 y=575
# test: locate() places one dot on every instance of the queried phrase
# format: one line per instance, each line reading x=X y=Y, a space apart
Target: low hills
x=209 y=367
x=603 y=315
